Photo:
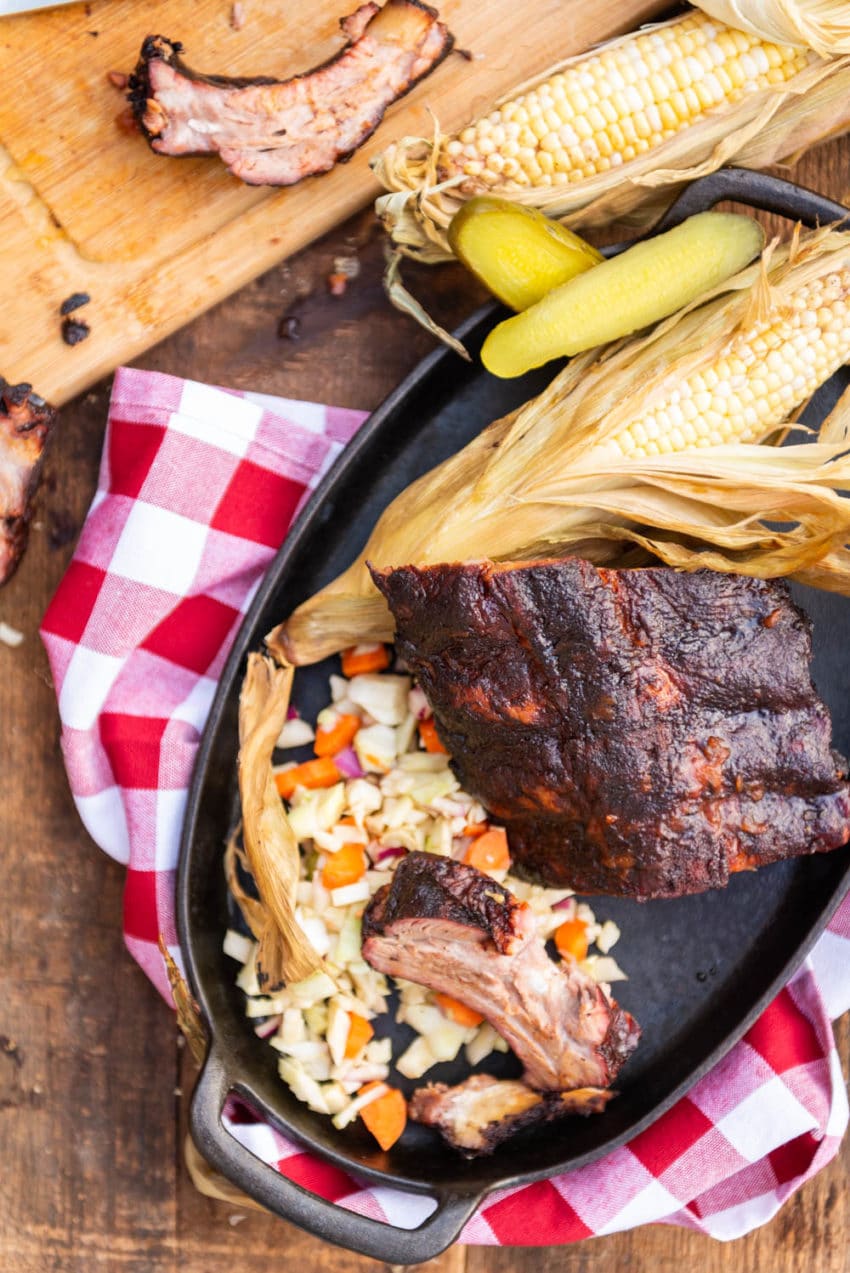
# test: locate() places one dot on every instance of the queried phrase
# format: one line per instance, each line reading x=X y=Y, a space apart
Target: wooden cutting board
x=85 y=205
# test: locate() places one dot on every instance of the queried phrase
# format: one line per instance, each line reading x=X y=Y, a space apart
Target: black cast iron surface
x=700 y=968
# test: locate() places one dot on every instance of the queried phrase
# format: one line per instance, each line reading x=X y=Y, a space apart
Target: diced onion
x=315 y=932
x=383 y=696
x=375 y=746
x=292 y=1029
x=405 y=734
x=260 y=1006
x=350 y=1111
x=359 y=1072
x=417 y=704
x=416 y=1059
x=295 y=733
x=391 y=851
x=267 y=1028
x=347 y=763
x=304 y=1087
x=448 y=1039
x=238 y=946
x=349 y=893
x=605 y=968
x=379 y=1051
x=336 y=1097
x=339 y=1027
x=247 y=979
x=307 y=1050
x=609 y=935
x=313 y=989
x=362 y=798
x=482 y=1044
x=339 y=688
x=422 y=762
x=316 y=1019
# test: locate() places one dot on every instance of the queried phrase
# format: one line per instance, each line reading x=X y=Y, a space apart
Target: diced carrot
x=428 y=734
x=347 y=822
x=474 y=829
x=330 y=741
x=490 y=851
x=359 y=1033
x=344 y=867
x=386 y=1116
x=371 y=658
x=457 y=1011
x=571 y=939
x=312 y=773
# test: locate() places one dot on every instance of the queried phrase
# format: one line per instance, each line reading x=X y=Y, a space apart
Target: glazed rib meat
x=479 y=1114
x=25 y=424
x=274 y=132
x=450 y=927
x=638 y=732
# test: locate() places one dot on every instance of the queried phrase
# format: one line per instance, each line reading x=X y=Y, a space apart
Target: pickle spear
x=642 y=285
x=517 y=252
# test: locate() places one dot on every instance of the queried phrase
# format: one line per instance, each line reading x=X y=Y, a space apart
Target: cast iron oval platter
x=700 y=968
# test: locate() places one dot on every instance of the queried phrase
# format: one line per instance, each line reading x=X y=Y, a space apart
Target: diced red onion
x=565 y=904
x=418 y=704
x=267 y=1028
x=347 y=763
x=292 y=713
x=392 y=851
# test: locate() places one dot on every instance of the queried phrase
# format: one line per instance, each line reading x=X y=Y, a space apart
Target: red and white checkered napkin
x=197 y=489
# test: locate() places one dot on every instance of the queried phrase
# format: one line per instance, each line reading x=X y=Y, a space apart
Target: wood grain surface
x=86 y=206
x=93 y=1079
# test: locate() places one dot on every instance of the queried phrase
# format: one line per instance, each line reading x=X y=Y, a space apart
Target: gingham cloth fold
x=197 y=489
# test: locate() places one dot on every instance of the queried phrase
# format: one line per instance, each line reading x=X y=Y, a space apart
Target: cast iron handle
x=757 y=189
x=291 y=1202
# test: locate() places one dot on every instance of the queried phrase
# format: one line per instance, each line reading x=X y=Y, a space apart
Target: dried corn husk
x=270 y=844
x=548 y=478
x=188 y=1012
x=770 y=126
x=211 y=1183
x=822 y=25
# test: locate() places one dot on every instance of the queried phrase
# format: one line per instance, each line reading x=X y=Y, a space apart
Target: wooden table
x=92 y=1074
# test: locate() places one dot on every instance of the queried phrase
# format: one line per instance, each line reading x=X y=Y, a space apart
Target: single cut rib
x=479 y=1114
x=450 y=927
x=274 y=132
x=639 y=732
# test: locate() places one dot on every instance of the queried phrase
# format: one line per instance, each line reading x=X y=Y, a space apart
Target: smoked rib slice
x=448 y=926
x=638 y=732
x=275 y=132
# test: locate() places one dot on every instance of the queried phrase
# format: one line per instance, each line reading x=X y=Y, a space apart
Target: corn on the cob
x=614 y=105
x=611 y=135
x=650 y=441
x=768 y=370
